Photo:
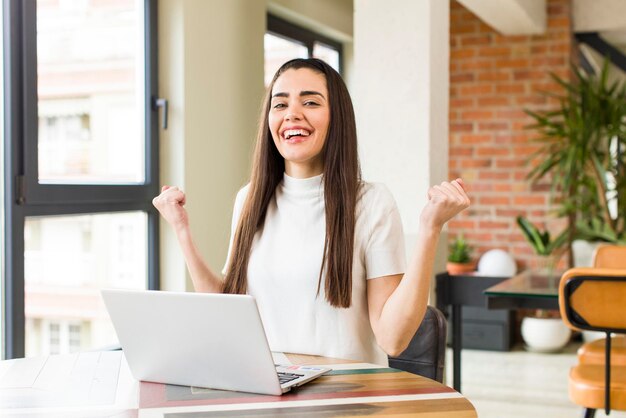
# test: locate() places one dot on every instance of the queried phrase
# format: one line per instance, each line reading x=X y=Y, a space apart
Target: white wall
x=211 y=70
x=400 y=88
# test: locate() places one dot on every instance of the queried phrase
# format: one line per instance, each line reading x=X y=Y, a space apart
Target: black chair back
x=426 y=352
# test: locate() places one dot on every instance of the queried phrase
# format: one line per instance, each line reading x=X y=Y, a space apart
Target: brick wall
x=493 y=78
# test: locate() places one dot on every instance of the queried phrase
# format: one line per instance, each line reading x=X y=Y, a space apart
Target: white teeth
x=292 y=132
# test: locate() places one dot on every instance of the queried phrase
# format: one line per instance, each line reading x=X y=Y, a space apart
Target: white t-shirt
x=285 y=261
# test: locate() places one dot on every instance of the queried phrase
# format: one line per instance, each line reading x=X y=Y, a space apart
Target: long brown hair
x=342 y=177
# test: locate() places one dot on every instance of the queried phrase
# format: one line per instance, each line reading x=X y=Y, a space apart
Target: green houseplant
x=582 y=155
x=459 y=257
x=542 y=243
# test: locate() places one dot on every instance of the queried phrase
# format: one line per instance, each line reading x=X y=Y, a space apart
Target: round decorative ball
x=497 y=263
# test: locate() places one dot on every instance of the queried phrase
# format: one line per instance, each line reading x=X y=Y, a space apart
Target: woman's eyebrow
x=311 y=93
x=302 y=93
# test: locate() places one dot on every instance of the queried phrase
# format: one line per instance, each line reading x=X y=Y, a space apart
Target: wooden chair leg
x=589 y=413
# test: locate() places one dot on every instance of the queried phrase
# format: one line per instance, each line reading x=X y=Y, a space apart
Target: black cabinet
x=485 y=329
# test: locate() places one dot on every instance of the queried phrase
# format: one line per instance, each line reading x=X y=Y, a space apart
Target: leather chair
x=613 y=257
x=426 y=352
x=594 y=299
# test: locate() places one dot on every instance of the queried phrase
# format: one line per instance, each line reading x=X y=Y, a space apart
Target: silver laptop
x=199 y=339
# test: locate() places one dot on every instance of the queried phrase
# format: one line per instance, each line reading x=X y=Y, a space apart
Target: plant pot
x=545 y=335
x=583 y=252
x=460 y=268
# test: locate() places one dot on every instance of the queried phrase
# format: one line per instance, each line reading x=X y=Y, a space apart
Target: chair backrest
x=426 y=352
x=610 y=257
x=594 y=299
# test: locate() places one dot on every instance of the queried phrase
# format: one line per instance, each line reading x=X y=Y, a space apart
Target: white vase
x=546 y=335
x=583 y=252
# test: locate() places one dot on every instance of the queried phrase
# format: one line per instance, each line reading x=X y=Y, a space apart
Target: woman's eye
x=310 y=103
x=279 y=105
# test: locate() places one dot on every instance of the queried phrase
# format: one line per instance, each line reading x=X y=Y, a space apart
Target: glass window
x=2 y=218
x=90 y=91
x=326 y=53
x=279 y=50
x=285 y=41
x=83 y=168
x=67 y=260
x=54 y=338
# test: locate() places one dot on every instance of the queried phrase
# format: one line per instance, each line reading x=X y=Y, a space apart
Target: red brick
x=462 y=78
x=513 y=63
x=493 y=126
x=465 y=102
x=493 y=151
x=495 y=200
x=494 y=51
x=529 y=75
x=510 y=237
x=475 y=40
x=477 y=115
x=508 y=40
x=506 y=187
x=476 y=163
x=511 y=114
x=494 y=175
x=514 y=138
x=476 y=89
x=475 y=139
x=493 y=225
x=548 y=61
x=470 y=27
x=527 y=149
x=475 y=188
x=461 y=127
x=560 y=48
x=530 y=200
x=510 y=88
x=541 y=187
x=510 y=213
x=462 y=54
x=494 y=76
x=467 y=224
x=494 y=101
x=461 y=152
x=559 y=22
x=476 y=64
x=531 y=100
x=478 y=236
x=510 y=163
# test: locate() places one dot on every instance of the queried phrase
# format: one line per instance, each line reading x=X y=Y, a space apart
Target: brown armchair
x=595 y=299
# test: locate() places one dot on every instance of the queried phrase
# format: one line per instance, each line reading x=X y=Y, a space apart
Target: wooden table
x=351 y=389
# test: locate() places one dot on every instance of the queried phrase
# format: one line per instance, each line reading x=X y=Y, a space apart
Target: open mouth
x=291 y=133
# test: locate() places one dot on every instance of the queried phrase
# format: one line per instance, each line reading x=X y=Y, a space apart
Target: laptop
x=207 y=340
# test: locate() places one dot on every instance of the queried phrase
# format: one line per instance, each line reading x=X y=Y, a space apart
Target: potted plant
x=550 y=250
x=543 y=330
x=583 y=155
x=459 y=258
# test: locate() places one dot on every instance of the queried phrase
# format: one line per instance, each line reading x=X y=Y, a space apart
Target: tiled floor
x=519 y=384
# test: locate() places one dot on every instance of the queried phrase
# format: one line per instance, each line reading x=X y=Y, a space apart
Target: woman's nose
x=293 y=114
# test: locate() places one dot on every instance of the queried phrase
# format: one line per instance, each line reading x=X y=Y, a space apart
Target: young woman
x=320 y=250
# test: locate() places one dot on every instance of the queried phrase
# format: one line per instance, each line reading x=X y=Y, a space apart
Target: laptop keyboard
x=284 y=377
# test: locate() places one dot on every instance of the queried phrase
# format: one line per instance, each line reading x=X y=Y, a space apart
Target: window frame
x=287 y=30
x=25 y=197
